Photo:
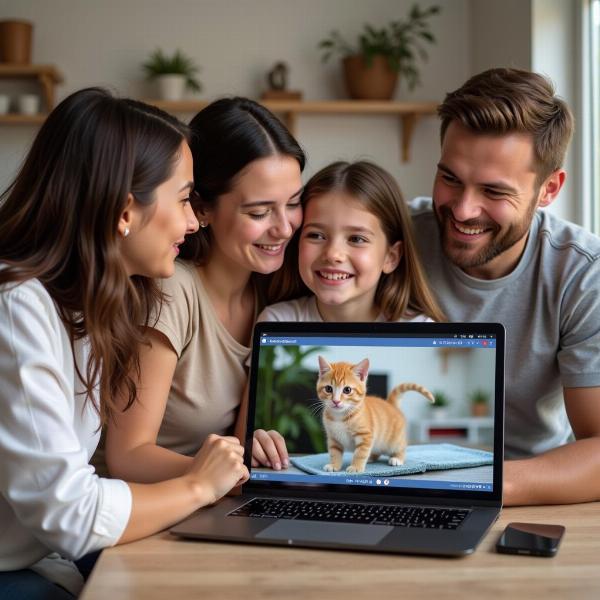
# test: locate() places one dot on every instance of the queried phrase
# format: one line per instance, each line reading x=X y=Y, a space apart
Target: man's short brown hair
x=502 y=101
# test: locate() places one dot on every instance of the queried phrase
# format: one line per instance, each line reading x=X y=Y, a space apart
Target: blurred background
x=235 y=43
x=461 y=379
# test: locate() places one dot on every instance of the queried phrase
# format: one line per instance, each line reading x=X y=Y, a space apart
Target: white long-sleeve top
x=51 y=499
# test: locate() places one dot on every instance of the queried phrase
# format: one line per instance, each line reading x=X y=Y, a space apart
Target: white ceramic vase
x=4 y=104
x=439 y=414
x=170 y=87
x=28 y=104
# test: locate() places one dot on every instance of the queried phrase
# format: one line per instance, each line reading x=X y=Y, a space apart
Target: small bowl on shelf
x=28 y=104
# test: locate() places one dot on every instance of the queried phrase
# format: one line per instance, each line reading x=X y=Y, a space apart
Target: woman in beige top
x=247 y=177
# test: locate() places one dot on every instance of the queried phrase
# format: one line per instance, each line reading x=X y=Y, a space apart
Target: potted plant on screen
x=173 y=74
x=287 y=391
x=439 y=408
x=479 y=403
x=372 y=65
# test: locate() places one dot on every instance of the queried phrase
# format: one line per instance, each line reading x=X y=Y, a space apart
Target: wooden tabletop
x=165 y=567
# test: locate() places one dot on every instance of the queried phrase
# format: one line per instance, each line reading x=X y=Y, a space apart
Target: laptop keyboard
x=375 y=514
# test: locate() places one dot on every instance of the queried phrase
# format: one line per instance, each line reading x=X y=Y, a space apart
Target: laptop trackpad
x=310 y=531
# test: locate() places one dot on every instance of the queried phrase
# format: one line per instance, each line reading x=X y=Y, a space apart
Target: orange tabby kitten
x=354 y=421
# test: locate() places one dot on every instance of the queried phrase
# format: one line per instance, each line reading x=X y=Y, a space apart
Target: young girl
x=357 y=256
x=247 y=175
x=357 y=253
x=99 y=207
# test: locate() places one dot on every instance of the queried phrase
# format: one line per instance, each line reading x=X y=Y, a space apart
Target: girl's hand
x=269 y=450
x=218 y=466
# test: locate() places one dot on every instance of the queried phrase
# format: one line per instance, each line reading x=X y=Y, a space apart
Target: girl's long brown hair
x=59 y=218
x=401 y=293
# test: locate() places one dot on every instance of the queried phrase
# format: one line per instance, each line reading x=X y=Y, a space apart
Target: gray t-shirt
x=550 y=307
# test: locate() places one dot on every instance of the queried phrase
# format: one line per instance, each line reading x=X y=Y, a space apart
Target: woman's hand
x=218 y=466
x=269 y=450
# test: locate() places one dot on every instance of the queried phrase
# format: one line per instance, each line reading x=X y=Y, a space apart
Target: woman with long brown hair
x=98 y=209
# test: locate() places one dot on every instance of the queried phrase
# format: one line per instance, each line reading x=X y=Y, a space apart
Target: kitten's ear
x=324 y=366
x=362 y=369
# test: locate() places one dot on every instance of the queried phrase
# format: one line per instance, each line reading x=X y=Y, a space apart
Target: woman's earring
x=203 y=224
x=126 y=232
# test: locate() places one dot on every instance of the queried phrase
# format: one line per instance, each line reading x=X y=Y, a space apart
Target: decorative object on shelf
x=47 y=76
x=277 y=78
x=480 y=400
x=439 y=408
x=4 y=103
x=173 y=74
x=28 y=104
x=15 y=42
x=371 y=68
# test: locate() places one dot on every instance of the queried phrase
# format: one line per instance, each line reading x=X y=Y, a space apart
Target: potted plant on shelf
x=372 y=66
x=439 y=408
x=479 y=403
x=173 y=74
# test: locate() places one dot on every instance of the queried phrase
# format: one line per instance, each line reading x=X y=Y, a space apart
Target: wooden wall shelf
x=47 y=76
x=408 y=112
x=17 y=119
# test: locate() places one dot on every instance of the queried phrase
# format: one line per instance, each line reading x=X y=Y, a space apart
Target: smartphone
x=534 y=539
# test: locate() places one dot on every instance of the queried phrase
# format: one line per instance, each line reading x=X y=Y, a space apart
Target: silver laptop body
x=444 y=497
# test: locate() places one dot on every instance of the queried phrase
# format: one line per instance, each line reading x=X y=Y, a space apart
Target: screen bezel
x=405 y=329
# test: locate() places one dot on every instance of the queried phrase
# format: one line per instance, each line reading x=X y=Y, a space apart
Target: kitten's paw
x=329 y=467
x=353 y=469
x=394 y=461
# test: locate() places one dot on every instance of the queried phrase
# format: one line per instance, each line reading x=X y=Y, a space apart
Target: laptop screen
x=409 y=407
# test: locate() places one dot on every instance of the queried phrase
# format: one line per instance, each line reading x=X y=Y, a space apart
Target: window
x=590 y=122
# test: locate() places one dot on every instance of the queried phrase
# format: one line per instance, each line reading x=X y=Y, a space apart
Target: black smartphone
x=534 y=539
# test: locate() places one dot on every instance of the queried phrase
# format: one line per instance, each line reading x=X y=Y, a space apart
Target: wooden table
x=165 y=567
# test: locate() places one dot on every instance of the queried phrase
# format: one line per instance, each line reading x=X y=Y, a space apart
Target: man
x=493 y=255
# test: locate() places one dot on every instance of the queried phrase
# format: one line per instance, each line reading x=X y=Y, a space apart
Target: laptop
x=439 y=498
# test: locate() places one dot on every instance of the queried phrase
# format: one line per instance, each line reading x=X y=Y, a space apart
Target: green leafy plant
x=282 y=390
x=440 y=399
x=479 y=397
x=178 y=63
x=401 y=42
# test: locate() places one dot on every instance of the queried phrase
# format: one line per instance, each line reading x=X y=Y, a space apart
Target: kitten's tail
x=395 y=396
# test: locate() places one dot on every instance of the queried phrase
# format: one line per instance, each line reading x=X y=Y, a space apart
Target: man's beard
x=459 y=253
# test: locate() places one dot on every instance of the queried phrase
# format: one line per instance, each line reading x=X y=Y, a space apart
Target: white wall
x=539 y=35
x=500 y=34
x=554 y=25
x=236 y=42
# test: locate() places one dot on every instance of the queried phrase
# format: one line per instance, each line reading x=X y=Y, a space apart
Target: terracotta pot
x=479 y=409
x=375 y=82
x=15 y=42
